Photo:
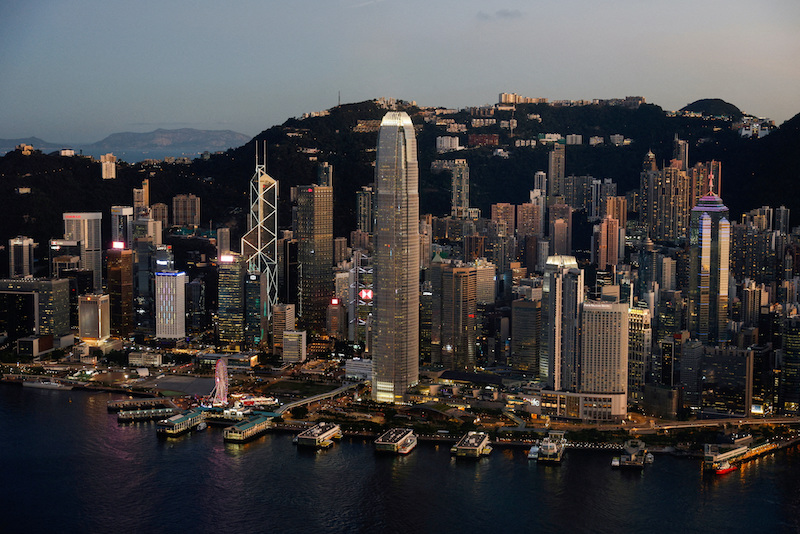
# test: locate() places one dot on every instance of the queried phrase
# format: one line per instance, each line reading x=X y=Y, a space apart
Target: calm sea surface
x=67 y=466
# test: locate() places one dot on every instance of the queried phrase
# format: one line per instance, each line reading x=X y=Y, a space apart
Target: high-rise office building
x=160 y=212
x=458 y=315
x=186 y=210
x=315 y=253
x=20 y=257
x=122 y=225
x=260 y=243
x=709 y=250
x=503 y=217
x=170 y=304
x=223 y=241
x=283 y=320
x=528 y=219
x=782 y=220
x=789 y=391
x=94 y=312
x=141 y=199
x=680 y=152
x=556 y=170
x=196 y=318
x=147 y=228
x=230 y=312
x=665 y=203
x=64 y=254
x=325 y=174
x=601 y=191
x=339 y=250
x=37 y=306
x=603 y=364
x=361 y=296
x=605 y=243
x=119 y=268
x=459 y=188
x=365 y=210
x=396 y=260
x=562 y=295
x=617 y=207
x=640 y=343
x=108 y=166
x=86 y=228
x=540 y=182
x=560 y=230
x=288 y=271
x=294 y=346
x=255 y=316
x=526 y=325
x=485 y=289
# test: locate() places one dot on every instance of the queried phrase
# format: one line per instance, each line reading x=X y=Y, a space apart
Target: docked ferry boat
x=247 y=430
x=634 y=455
x=320 y=436
x=46 y=383
x=181 y=423
x=552 y=447
x=396 y=440
x=472 y=445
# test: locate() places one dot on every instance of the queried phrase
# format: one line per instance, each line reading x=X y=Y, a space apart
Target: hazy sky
x=78 y=71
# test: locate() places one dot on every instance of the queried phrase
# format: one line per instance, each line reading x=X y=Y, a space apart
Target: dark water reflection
x=69 y=467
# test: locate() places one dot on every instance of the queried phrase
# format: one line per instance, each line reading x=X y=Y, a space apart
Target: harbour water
x=68 y=466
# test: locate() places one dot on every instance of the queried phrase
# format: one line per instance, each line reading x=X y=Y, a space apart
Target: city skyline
x=95 y=69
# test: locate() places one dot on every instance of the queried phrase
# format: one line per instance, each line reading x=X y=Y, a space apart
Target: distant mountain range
x=133 y=146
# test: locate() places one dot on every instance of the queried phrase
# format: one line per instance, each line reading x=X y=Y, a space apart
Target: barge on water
x=247 y=430
x=396 y=440
x=320 y=436
x=472 y=445
x=180 y=424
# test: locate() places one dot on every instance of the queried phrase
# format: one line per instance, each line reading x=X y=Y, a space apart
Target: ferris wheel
x=219 y=395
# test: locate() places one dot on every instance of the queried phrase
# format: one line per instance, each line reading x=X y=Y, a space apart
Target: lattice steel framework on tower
x=260 y=243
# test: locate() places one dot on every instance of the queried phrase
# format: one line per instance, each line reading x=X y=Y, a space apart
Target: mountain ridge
x=174 y=142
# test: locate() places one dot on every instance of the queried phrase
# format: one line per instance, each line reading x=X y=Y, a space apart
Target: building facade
x=396 y=260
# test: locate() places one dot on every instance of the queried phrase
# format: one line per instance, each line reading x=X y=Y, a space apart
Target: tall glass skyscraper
x=85 y=227
x=396 y=260
x=709 y=249
x=315 y=253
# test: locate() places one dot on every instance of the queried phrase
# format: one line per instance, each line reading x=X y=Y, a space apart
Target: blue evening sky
x=77 y=71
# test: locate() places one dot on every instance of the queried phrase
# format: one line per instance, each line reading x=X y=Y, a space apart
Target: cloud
x=364 y=4
x=509 y=14
x=500 y=14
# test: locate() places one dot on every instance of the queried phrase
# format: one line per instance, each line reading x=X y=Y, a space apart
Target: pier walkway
x=315 y=398
x=140 y=404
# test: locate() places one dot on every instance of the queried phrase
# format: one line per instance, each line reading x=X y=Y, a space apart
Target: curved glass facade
x=396 y=260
